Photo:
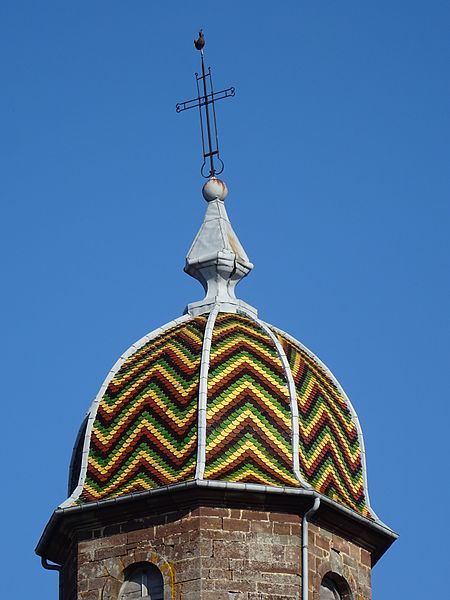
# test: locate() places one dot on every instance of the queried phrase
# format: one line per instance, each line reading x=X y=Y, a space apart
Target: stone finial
x=215 y=189
x=216 y=257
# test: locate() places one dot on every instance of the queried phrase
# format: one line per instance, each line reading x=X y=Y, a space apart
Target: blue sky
x=337 y=151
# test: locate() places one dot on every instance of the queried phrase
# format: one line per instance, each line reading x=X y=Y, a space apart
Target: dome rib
x=293 y=399
x=203 y=392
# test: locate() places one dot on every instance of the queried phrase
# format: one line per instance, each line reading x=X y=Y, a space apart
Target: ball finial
x=214 y=189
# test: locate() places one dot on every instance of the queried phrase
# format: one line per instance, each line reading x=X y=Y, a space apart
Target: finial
x=215 y=189
x=199 y=43
x=216 y=257
x=205 y=102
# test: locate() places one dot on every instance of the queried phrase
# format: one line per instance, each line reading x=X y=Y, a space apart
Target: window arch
x=142 y=580
x=334 y=587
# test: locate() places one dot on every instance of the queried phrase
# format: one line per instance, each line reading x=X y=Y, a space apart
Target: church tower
x=221 y=459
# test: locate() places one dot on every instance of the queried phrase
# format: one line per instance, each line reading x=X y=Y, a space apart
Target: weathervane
x=205 y=102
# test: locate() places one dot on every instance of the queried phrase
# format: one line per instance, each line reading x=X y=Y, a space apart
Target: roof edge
x=373 y=535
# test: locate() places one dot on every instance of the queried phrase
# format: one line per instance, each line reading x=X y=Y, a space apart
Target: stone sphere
x=214 y=189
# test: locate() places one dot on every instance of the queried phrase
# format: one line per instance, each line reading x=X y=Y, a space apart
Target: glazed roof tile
x=273 y=415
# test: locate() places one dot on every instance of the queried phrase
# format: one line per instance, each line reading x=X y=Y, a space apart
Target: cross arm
x=202 y=100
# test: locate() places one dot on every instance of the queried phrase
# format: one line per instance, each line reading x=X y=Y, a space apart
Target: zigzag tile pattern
x=145 y=430
x=248 y=411
x=329 y=447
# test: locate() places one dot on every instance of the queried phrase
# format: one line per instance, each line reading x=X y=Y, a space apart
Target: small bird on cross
x=200 y=41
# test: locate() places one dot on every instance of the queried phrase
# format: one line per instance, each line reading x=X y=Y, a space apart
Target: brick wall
x=249 y=555
x=219 y=554
x=331 y=553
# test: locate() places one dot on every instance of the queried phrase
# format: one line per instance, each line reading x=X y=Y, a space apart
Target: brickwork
x=249 y=555
x=219 y=554
x=331 y=553
x=170 y=541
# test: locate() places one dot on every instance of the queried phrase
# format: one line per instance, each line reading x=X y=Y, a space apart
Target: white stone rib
x=92 y=413
x=203 y=393
x=351 y=409
x=290 y=384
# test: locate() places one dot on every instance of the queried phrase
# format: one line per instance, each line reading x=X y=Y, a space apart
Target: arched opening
x=142 y=580
x=334 y=587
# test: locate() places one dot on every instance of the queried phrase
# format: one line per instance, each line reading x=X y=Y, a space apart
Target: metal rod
x=214 y=113
x=208 y=125
x=199 y=101
x=201 y=119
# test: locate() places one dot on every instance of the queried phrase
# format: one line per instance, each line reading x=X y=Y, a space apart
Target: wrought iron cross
x=205 y=103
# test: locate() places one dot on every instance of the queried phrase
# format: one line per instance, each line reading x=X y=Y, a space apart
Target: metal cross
x=205 y=102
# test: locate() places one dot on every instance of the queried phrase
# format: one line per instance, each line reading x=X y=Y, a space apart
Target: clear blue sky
x=337 y=149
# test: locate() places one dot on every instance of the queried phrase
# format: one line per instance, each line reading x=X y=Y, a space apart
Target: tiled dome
x=220 y=398
x=269 y=413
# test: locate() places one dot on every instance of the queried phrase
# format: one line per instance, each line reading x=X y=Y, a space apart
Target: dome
x=220 y=396
x=267 y=412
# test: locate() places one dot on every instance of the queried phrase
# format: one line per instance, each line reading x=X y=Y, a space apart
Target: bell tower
x=220 y=459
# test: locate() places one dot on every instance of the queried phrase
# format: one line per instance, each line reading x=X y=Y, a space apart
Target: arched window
x=142 y=580
x=334 y=587
x=328 y=590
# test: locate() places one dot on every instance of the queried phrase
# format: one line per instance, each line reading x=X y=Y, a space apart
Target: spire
x=216 y=257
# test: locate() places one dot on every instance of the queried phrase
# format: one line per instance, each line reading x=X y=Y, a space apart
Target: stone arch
x=337 y=571
x=340 y=583
x=116 y=572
